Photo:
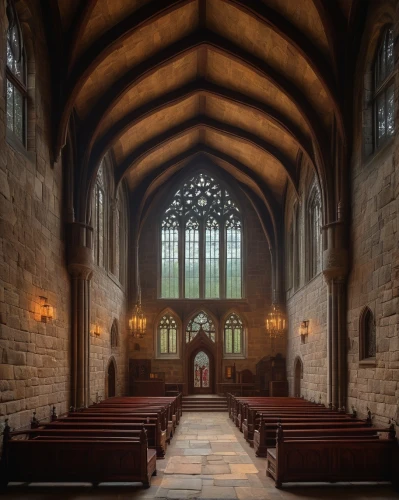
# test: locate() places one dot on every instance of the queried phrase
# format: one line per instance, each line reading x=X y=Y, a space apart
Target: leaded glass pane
x=100 y=227
x=212 y=258
x=167 y=334
x=192 y=259
x=390 y=105
x=18 y=114
x=200 y=322
x=381 y=116
x=201 y=370
x=233 y=335
x=10 y=106
x=233 y=258
x=170 y=263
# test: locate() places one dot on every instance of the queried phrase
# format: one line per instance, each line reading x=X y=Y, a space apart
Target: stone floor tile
x=185 y=460
x=192 y=469
x=237 y=459
x=216 y=469
x=177 y=483
x=243 y=468
x=182 y=444
x=197 y=451
x=183 y=494
x=214 y=492
x=226 y=447
x=244 y=493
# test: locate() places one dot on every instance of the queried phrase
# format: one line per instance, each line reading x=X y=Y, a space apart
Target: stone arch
x=111 y=377
x=298 y=376
x=367 y=336
x=194 y=314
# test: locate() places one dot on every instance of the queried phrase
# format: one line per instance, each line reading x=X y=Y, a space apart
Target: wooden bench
x=331 y=460
x=265 y=436
x=156 y=438
x=92 y=460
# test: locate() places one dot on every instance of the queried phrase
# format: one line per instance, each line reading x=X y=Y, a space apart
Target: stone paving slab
x=177 y=483
x=176 y=468
x=216 y=492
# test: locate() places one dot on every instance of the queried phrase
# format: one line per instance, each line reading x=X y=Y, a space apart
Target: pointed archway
x=200 y=370
x=110 y=379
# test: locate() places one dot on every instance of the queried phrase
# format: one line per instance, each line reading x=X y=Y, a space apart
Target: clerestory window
x=201 y=242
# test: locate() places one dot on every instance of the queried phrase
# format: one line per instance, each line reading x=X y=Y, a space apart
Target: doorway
x=298 y=374
x=111 y=379
x=202 y=376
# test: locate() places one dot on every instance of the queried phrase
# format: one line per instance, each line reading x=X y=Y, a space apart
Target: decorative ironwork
x=200 y=322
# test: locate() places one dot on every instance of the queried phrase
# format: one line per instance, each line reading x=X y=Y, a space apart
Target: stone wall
x=307 y=301
x=253 y=308
x=34 y=356
x=107 y=304
x=374 y=277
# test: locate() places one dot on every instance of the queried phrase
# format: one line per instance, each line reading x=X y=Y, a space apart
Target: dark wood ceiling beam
x=104 y=46
x=92 y=124
x=292 y=35
x=105 y=142
x=79 y=24
x=202 y=121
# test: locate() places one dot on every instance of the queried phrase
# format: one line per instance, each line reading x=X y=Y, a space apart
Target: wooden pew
x=331 y=460
x=265 y=436
x=70 y=460
x=156 y=438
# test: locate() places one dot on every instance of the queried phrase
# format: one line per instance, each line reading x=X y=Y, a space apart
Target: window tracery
x=200 y=322
x=314 y=234
x=201 y=229
x=16 y=72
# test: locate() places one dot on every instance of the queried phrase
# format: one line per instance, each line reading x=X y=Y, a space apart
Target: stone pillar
x=80 y=266
x=335 y=270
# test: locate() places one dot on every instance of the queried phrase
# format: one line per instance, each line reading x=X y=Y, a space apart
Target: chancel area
x=199 y=249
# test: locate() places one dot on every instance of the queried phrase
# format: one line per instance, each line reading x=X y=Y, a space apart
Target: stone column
x=80 y=266
x=335 y=270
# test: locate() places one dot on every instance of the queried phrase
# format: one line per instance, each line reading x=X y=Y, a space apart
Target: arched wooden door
x=111 y=379
x=202 y=369
x=298 y=371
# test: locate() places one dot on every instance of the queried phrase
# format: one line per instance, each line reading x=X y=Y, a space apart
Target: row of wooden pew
x=307 y=442
x=118 y=439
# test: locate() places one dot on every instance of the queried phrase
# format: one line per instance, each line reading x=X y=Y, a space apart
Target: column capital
x=80 y=250
x=335 y=264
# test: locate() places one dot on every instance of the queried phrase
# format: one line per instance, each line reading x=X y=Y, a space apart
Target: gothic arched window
x=114 y=334
x=233 y=336
x=167 y=335
x=314 y=234
x=16 y=71
x=201 y=241
x=296 y=271
x=367 y=336
x=99 y=218
x=200 y=321
x=383 y=95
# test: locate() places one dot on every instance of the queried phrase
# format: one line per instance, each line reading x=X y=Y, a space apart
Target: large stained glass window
x=167 y=335
x=200 y=322
x=384 y=108
x=201 y=370
x=233 y=335
x=201 y=240
x=99 y=219
x=315 y=242
x=17 y=91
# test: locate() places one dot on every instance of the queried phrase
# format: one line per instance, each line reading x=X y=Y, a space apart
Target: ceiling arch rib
x=202 y=121
x=149 y=13
x=308 y=50
x=102 y=47
x=134 y=117
x=93 y=122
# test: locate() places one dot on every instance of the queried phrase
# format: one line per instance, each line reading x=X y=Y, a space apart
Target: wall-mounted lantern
x=96 y=330
x=304 y=330
x=46 y=310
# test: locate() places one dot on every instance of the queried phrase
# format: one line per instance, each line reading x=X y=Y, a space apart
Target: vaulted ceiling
x=255 y=86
